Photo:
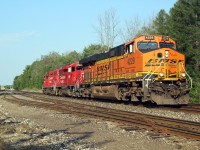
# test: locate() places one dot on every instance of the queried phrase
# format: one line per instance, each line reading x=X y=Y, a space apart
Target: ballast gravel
x=138 y=109
x=25 y=127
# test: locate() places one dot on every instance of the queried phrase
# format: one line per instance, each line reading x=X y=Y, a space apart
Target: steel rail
x=159 y=124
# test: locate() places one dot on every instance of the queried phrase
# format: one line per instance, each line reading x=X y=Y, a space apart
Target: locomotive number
x=62 y=77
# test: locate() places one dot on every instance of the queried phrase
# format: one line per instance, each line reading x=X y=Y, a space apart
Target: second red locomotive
x=64 y=81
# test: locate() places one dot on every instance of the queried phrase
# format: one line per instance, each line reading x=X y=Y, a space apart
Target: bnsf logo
x=158 y=61
x=164 y=60
x=131 y=60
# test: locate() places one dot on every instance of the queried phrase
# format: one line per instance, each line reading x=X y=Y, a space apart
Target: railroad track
x=129 y=120
x=191 y=108
x=194 y=110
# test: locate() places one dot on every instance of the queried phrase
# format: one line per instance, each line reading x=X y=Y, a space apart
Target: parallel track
x=129 y=120
x=190 y=108
x=193 y=109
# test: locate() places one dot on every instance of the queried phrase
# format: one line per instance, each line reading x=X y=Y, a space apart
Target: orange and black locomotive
x=148 y=69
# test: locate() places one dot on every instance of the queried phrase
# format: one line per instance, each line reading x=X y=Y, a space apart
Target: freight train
x=148 y=68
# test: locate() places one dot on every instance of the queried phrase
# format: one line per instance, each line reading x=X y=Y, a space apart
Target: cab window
x=147 y=46
x=167 y=45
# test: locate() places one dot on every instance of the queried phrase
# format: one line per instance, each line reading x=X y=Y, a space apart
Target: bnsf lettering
x=171 y=61
x=103 y=68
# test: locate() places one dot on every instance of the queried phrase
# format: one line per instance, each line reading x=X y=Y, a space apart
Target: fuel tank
x=105 y=92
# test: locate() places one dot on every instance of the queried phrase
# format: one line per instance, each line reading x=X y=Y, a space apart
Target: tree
x=93 y=49
x=32 y=76
x=107 y=28
x=72 y=57
x=184 y=24
x=160 y=23
x=147 y=28
x=16 y=83
x=132 y=28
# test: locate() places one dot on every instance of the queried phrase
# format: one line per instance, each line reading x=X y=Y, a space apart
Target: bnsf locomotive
x=148 y=69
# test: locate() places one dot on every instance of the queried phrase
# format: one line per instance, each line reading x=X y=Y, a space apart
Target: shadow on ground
x=43 y=140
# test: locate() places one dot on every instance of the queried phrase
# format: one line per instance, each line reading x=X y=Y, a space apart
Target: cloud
x=10 y=37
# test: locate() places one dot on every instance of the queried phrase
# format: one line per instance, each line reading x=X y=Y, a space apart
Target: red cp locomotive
x=64 y=81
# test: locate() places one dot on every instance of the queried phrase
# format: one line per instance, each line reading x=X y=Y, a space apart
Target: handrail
x=150 y=74
x=187 y=75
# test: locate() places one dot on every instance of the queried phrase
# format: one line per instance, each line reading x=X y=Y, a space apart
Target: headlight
x=183 y=74
x=161 y=74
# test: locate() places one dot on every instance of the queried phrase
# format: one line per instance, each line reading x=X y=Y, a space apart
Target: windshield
x=147 y=46
x=167 y=45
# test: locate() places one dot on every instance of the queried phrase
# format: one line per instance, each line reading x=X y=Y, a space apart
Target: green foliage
x=32 y=76
x=72 y=57
x=160 y=23
x=195 y=91
x=183 y=22
x=183 y=19
x=147 y=29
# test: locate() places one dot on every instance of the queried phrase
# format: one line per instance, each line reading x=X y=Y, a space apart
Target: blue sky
x=32 y=28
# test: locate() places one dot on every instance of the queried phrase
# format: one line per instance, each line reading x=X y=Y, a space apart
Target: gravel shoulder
x=23 y=127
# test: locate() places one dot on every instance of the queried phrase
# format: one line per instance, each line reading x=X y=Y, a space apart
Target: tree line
x=182 y=24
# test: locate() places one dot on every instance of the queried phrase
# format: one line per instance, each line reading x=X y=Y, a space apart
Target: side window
x=130 y=48
x=79 y=68
x=127 y=49
x=60 y=71
x=73 y=69
x=65 y=70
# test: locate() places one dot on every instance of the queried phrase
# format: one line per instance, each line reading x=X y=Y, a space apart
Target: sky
x=32 y=28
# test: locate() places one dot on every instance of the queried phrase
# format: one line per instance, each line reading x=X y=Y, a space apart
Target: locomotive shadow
x=77 y=139
x=131 y=103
